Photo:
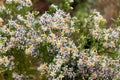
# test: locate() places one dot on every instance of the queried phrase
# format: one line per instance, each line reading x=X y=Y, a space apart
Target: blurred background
x=110 y=9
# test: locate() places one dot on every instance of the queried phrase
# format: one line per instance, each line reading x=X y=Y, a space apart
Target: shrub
x=28 y=40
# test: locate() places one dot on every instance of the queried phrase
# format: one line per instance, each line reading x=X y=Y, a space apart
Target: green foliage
x=117 y=21
x=94 y=35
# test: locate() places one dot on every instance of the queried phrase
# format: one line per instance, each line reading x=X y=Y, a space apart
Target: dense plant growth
x=56 y=46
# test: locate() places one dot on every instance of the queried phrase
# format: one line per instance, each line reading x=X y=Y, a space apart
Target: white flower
x=71 y=1
x=54 y=6
x=9 y=1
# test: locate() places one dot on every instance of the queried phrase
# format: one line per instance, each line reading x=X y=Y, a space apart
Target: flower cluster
x=83 y=64
x=6 y=62
x=28 y=40
x=17 y=76
x=86 y=65
x=58 y=27
x=111 y=36
x=95 y=19
x=96 y=36
x=107 y=38
x=25 y=33
x=26 y=3
x=28 y=36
